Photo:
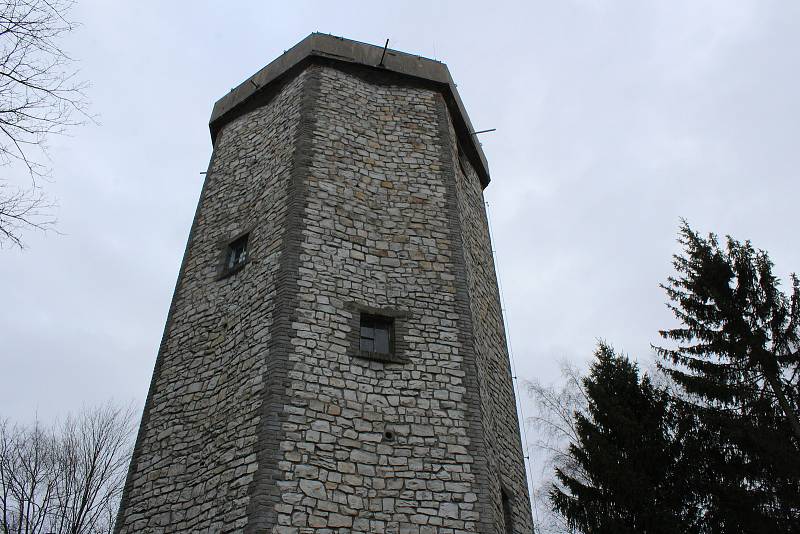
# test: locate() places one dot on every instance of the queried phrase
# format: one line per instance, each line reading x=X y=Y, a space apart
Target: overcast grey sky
x=614 y=119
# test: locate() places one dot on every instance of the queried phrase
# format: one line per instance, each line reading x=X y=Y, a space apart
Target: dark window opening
x=376 y=334
x=235 y=255
x=508 y=512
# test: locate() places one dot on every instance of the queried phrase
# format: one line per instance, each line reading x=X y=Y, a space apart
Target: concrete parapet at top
x=323 y=47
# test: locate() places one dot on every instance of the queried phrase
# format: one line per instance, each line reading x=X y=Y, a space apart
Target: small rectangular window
x=508 y=512
x=235 y=255
x=376 y=334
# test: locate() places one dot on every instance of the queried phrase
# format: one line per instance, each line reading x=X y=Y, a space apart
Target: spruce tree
x=629 y=455
x=736 y=357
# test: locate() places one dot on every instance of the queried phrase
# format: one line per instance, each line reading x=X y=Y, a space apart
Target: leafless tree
x=40 y=95
x=26 y=477
x=67 y=479
x=553 y=423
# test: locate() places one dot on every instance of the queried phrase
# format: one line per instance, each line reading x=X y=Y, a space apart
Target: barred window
x=235 y=256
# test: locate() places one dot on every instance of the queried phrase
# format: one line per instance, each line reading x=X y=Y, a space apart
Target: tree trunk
x=777 y=389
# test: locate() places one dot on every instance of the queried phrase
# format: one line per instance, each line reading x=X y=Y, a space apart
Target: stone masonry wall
x=375 y=236
x=263 y=416
x=196 y=452
x=498 y=406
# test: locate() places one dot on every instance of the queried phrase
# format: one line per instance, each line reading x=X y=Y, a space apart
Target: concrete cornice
x=337 y=49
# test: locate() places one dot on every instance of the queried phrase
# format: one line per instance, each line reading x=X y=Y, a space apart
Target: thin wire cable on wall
x=515 y=378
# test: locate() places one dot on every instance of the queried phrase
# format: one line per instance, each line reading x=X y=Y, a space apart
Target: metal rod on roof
x=483 y=131
x=384 y=53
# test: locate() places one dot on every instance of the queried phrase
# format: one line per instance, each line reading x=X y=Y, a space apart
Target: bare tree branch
x=40 y=95
x=553 y=422
x=67 y=479
x=22 y=209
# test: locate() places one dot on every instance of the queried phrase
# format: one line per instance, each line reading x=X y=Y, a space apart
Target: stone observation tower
x=334 y=358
